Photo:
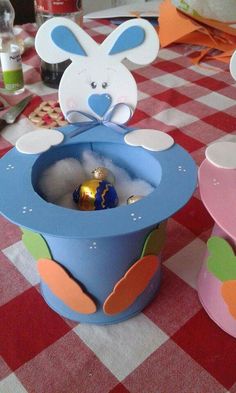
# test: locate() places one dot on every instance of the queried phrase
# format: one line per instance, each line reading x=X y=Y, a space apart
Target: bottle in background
x=45 y=9
x=10 y=56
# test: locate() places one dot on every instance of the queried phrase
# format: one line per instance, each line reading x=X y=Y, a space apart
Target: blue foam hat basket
x=119 y=234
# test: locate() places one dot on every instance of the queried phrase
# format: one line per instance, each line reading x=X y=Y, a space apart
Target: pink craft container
x=216 y=189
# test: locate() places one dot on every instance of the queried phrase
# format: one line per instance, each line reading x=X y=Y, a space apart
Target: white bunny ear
x=232 y=65
x=135 y=39
x=60 y=39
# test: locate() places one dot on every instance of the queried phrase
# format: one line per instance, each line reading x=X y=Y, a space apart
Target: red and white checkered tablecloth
x=172 y=346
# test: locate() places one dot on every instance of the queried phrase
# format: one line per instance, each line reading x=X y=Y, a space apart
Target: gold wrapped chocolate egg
x=95 y=194
x=133 y=199
x=102 y=173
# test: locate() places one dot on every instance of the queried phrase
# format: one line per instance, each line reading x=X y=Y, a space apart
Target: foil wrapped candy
x=98 y=193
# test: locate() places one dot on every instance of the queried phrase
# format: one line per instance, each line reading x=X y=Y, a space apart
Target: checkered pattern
x=172 y=346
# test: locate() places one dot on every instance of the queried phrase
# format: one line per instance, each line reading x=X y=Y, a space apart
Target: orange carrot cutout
x=228 y=291
x=131 y=285
x=64 y=287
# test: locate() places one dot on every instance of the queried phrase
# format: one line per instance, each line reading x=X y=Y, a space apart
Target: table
x=172 y=346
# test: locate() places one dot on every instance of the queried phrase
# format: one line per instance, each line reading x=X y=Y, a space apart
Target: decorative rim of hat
x=28 y=209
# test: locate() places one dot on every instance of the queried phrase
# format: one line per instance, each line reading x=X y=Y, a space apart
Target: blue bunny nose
x=100 y=103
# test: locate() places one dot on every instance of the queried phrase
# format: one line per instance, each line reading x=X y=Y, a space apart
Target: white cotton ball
x=120 y=174
x=121 y=186
x=61 y=178
x=127 y=187
x=66 y=201
x=90 y=161
x=140 y=187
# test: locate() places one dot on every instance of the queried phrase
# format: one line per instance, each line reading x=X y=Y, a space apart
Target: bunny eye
x=104 y=85
x=93 y=85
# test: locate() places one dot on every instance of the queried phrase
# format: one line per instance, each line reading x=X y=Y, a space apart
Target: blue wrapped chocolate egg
x=95 y=194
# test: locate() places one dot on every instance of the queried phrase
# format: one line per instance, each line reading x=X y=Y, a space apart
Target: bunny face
x=94 y=90
x=97 y=80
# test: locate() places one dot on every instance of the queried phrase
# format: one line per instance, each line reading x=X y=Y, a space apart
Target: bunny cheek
x=124 y=88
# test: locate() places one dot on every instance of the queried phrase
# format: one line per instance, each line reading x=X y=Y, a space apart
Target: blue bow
x=83 y=126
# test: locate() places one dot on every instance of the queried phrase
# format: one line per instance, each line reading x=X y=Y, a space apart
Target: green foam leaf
x=222 y=260
x=36 y=245
x=155 y=241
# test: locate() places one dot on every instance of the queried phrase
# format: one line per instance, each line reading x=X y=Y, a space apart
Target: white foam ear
x=143 y=53
x=222 y=154
x=50 y=52
x=149 y=139
x=232 y=65
x=38 y=141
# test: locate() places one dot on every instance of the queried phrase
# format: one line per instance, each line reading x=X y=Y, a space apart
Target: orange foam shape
x=131 y=285
x=228 y=291
x=64 y=287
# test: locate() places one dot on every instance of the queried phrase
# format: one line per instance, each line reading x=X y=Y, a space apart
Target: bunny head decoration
x=96 y=79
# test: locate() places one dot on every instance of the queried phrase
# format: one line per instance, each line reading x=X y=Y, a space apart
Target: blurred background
x=25 y=8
